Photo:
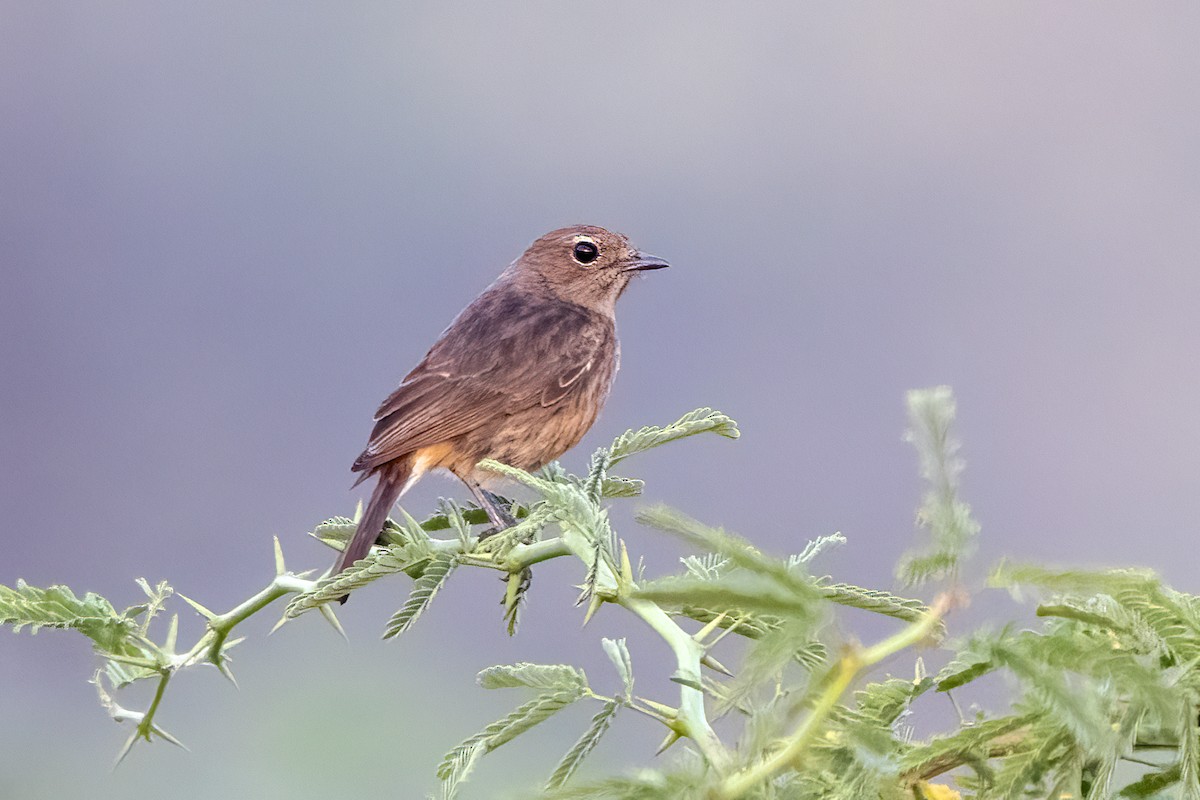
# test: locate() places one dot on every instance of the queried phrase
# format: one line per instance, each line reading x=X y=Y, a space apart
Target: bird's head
x=583 y=264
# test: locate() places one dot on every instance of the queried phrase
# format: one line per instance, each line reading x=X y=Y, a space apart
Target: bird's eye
x=586 y=252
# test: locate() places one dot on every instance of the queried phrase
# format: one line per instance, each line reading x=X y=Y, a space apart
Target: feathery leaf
x=952 y=529
x=58 y=607
x=586 y=743
x=424 y=590
x=557 y=677
x=459 y=762
x=702 y=420
x=406 y=558
x=878 y=602
x=618 y=654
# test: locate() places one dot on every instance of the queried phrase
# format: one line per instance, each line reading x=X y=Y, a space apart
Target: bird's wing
x=474 y=375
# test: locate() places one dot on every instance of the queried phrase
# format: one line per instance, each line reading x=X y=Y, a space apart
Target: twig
x=692 y=719
x=848 y=668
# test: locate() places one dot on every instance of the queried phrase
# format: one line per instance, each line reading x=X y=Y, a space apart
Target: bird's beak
x=644 y=261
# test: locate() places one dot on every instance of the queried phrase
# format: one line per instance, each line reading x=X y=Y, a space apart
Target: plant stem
x=848 y=668
x=525 y=555
x=220 y=626
x=1003 y=745
x=692 y=717
x=146 y=724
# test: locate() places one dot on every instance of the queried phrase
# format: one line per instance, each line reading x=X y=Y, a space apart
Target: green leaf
x=24 y=606
x=739 y=591
x=157 y=596
x=586 y=743
x=598 y=466
x=702 y=420
x=969 y=745
x=708 y=566
x=963 y=670
x=764 y=663
x=1022 y=773
x=557 y=677
x=459 y=762
x=816 y=547
x=1111 y=582
x=646 y=784
x=547 y=488
x=1144 y=615
x=472 y=516
x=424 y=590
x=121 y=675
x=336 y=531
x=739 y=551
x=1189 y=751
x=878 y=602
x=613 y=486
x=525 y=531
x=1055 y=672
x=618 y=654
x=952 y=529
x=1152 y=784
x=411 y=557
x=811 y=654
x=1083 y=615
x=749 y=626
x=883 y=702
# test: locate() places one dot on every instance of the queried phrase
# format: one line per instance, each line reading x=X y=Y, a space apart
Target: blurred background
x=227 y=230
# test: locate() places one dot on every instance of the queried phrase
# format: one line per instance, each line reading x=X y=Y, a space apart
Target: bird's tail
x=391 y=483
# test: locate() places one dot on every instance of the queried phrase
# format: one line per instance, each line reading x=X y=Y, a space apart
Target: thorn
x=593 y=606
x=222 y=665
x=626 y=567
x=715 y=665
x=304 y=574
x=282 y=621
x=687 y=680
x=733 y=626
x=172 y=635
x=666 y=711
x=204 y=612
x=280 y=567
x=134 y=661
x=411 y=523
x=327 y=612
x=168 y=737
x=703 y=633
x=672 y=738
x=125 y=749
x=358 y=511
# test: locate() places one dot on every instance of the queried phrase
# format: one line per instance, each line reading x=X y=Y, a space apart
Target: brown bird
x=519 y=376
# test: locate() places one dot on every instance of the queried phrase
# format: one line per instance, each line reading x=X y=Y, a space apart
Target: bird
x=519 y=376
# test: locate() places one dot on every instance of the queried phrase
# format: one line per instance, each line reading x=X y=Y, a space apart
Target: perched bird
x=519 y=376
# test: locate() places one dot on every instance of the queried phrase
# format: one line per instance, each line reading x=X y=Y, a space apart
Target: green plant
x=1108 y=677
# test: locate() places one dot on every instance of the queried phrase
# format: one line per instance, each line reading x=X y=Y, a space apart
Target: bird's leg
x=497 y=513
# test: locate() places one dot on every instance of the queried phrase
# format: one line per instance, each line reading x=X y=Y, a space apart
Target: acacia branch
x=692 y=720
x=852 y=664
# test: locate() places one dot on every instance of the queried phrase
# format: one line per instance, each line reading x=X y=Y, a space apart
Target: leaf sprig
x=1106 y=684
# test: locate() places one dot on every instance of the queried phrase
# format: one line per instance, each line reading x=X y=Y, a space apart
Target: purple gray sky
x=227 y=230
